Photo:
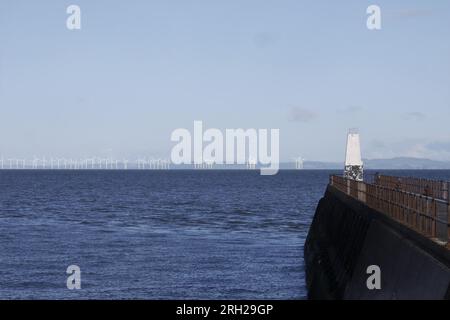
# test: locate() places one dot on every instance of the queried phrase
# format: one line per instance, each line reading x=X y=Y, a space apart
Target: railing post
x=433 y=217
x=416 y=208
x=445 y=187
x=434 y=221
x=362 y=192
x=448 y=225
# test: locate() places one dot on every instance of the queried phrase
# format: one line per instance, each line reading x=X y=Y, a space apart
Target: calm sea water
x=158 y=234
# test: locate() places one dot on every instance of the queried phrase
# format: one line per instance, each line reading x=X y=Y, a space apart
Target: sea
x=161 y=234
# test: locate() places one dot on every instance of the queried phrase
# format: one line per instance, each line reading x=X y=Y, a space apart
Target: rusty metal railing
x=426 y=215
x=426 y=187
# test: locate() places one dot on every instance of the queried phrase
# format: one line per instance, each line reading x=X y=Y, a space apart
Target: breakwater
x=359 y=225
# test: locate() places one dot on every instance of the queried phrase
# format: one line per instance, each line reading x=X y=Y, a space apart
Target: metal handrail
x=425 y=214
x=433 y=188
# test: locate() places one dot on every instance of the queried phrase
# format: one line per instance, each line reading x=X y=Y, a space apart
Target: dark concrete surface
x=346 y=237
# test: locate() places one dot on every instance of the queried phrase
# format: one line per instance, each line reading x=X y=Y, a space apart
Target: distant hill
x=323 y=165
x=401 y=163
x=405 y=163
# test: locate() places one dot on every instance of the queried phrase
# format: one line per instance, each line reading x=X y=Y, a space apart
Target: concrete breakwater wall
x=346 y=237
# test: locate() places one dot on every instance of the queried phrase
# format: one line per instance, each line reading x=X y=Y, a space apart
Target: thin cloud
x=264 y=39
x=302 y=115
x=413 y=13
x=350 y=110
x=415 y=115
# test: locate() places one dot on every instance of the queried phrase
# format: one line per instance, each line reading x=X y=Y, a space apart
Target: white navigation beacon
x=353 y=162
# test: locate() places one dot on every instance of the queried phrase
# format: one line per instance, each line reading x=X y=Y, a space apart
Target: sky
x=137 y=70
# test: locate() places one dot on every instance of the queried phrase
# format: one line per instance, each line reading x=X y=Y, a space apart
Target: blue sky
x=137 y=70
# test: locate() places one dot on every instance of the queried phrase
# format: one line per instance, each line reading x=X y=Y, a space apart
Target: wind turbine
x=209 y=163
x=58 y=162
x=142 y=161
x=35 y=162
x=167 y=164
x=153 y=163
x=251 y=163
x=160 y=164
x=299 y=163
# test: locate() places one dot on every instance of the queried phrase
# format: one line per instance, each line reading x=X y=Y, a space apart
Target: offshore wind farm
x=90 y=163
x=141 y=163
x=154 y=163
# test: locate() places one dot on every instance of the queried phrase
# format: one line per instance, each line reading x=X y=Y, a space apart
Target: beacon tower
x=353 y=162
